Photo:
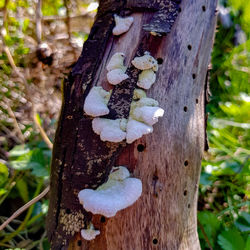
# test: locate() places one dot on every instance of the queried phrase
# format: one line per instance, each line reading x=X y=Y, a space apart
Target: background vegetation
x=30 y=102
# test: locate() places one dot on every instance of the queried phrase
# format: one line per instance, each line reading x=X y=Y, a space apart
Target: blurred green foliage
x=223 y=216
x=224 y=221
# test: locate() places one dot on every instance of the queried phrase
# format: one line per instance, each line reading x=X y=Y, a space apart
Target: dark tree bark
x=168 y=160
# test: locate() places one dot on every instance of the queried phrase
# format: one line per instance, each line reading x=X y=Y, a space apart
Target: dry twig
x=23 y=208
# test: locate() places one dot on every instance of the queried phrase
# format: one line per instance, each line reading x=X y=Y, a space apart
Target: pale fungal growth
x=145 y=62
x=138 y=94
x=148 y=114
x=96 y=102
x=122 y=24
x=146 y=78
x=116 y=76
x=119 y=192
x=90 y=233
x=136 y=130
x=123 y=124
x=116 y=62
x=109 y=130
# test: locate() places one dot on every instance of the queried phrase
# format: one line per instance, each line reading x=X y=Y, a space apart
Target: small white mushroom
x=146 y=101
x=90 y=233
x=122 y=24
x=109 y=130
x=146 y=78
x=136 y=130
x=138 y=94
x=116 y=62
x=117 y=193
x=119 y=173
x=116 y=76
x=96 y=102
x=148 y=114
x=145 y=62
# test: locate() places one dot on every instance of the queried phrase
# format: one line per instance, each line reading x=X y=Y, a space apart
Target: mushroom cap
x=122 y=24
x=116 y=194
x=116 y=76
x=96 y=102
x=136 y=130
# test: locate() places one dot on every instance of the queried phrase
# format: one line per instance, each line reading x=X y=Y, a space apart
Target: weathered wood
x=167 y=161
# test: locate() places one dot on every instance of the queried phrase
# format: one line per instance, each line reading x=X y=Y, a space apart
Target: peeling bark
x=165 y=216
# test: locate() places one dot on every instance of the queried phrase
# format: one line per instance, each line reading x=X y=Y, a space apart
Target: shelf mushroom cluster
x=144 y=111
x=121 y=190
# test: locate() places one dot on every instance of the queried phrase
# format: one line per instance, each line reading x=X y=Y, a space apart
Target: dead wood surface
x=167 y=161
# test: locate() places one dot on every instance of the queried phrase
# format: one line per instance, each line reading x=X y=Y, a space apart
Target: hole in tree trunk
x=155 y=241
x=140 y=147
x=194 y=76
x=204 y=8
x=185 y=192
x=103 y=219
x=185 y=109
x=197 y=101
x=189 y=47
x=67 y=211
x=159 y=60
x=185 y=163
x=79 y=243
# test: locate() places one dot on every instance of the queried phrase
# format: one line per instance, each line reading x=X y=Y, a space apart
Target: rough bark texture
x=167 y=161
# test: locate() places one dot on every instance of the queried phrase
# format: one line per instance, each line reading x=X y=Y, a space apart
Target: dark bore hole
x=185 y=192
x=188 y=205
x=185 y=108
x=140 y=148
x=179 y=9
x=79 y=243
x=155 y=241
x=103 y=219
x=159 y=60
x=194 y=76
x=197 y=101
x=185 y=163
x=67 y=211
x=204 y=8
x=189 y=47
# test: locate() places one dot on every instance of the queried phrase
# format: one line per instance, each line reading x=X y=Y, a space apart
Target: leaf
x=2 y=191
x=205 y=179
x=4 y=173
x=247 y=247
x=243 y=222
x=31 y=160
x=231 y=240
x=40 y=171
x=22 y=188
x=211 y=225
x=18 y=151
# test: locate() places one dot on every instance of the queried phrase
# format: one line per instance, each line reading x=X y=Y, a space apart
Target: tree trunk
x=168 y=160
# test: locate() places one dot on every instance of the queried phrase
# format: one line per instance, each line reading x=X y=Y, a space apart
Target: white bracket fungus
x=148 y=114
x=109 y=130
x=138 y=94
x=136 y=130
x=119 y=192
x=90 y=233
x=146 y=78
x=116 y=62
x=116 y=76
x=145 y=62
x=96 y=102
x=122 y=24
